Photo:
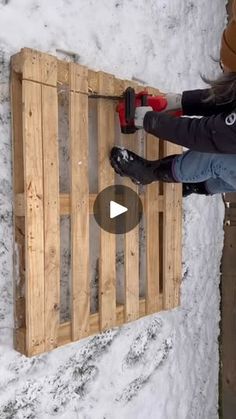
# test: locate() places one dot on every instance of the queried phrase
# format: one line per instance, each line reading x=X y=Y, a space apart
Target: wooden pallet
x=38 y=205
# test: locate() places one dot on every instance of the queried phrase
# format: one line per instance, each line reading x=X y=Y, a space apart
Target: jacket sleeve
x=192 y=104
x=207 y=134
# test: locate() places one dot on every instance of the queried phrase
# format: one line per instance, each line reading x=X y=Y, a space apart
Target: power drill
x=130 y=101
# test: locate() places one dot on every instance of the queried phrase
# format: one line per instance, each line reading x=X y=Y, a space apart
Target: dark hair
x=223 y=89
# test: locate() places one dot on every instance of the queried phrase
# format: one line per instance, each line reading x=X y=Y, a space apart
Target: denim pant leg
x=217 y=170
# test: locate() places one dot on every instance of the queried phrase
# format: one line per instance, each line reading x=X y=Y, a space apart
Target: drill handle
x=129 y=97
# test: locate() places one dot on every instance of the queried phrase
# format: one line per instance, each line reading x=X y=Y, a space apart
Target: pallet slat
x=64 y=336
x=172 y=233
x=154 y=207
x=152 y=233
x=65 y=206
x=65 y=328
x=51 y=212
x=131 y=261
x=107 y=260
x=39 y=67
x=19 y=221
x=131 y=240
x=34 y=225
x=78 y=126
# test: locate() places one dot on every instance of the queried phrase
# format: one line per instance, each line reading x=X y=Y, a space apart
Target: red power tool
x=131 y=100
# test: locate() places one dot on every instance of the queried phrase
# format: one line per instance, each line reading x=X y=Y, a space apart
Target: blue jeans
x=218 y=171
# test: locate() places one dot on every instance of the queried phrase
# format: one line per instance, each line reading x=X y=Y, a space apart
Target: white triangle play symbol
x=116 y=209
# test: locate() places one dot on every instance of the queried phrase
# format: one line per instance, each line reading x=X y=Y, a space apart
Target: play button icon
x=117 y=209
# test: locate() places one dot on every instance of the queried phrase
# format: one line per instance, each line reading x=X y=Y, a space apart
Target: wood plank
x=51 y=213
x=63 y=72
x=18 y=222
x=230 y=197
x=172 y=237
x=154 y=91
x=19 y=280
x=152 y=233
x=65 y=204
x=93 y=82
x=227 y=407
x=131 y=262
x=20 y=340
x=107 y=267
x=117 y=89
x=228 y=257
x=34 y=226
x=97 y=85
x=38 y=67
x=131 y=238
x=78 y=110
x=17 y=63
x=65 y=328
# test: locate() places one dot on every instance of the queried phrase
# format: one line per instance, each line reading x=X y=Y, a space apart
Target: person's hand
x=140 y=113
x=174 y=102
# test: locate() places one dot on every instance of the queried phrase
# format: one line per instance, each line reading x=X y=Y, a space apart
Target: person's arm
x=207 y=134
x=192 y=104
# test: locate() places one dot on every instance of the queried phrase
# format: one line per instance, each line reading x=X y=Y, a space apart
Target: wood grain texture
x=107 y=260
x=131 y=238
x=51 y=213
x=39 y=67
x=172 y=238
x=65 y=328
x=38 y=206
x=34 y=223
x=18 y=221
x=78 y=126
x=152 y=204
x=65 y=205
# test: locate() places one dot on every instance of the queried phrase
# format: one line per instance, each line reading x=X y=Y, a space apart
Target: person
x=209 y=165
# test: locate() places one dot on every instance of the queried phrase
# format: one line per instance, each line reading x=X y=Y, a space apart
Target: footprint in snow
x=136 y=385
x=140 y=344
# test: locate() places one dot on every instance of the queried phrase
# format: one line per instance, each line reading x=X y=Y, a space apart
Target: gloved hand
x=174 y=101
x=140 y=112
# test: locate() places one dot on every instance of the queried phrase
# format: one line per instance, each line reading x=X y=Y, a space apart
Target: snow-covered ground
x=164 y=366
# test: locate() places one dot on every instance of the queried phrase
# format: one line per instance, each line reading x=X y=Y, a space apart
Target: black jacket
x=215 y=132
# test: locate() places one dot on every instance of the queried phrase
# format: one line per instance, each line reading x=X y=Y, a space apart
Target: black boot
x=199 y=188
x=139 y=170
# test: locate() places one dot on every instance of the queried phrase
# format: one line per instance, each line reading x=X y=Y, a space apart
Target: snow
x=163 y=366
x=124 y=154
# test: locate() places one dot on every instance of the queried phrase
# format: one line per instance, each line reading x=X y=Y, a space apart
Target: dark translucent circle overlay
x=121 y=195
